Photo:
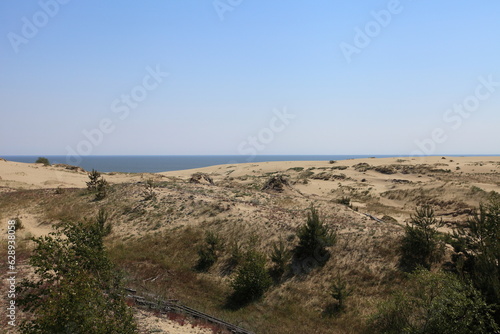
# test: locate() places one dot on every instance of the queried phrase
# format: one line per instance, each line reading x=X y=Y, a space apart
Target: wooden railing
x=172 y=305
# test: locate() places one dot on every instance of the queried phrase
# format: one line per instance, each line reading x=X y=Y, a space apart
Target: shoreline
x=137 y=164
x=15 y=175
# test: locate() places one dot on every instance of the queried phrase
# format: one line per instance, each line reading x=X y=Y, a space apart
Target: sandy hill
x=158 y=230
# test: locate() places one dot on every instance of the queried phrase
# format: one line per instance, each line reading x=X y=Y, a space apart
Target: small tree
x=97 y=185
x=434 y=303
x=76 y=289
x=236 y=252
x=340 y=292
x=252 y=279
x=420 y=245
x=314 y=237
x=94 y=178
x=42 y=160
x=101 y=189
x=209 y=252
x=280 y=256
x=477 y=247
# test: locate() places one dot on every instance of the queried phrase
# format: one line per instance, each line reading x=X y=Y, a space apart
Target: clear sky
x=241 y=77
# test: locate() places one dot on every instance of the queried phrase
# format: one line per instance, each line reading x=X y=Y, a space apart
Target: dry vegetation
x=156 y=235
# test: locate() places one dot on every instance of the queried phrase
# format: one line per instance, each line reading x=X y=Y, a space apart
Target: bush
x=18 y=224
x=101 y=189
x=76 y=289
x=209 y=252
x=420 y=245
x=42 y=160
x=237 y=254
x=252 y=279
x=280 y=256
x=477 y=248
x=149 y=192
x=340 y=292
x=94 y=178
x=434 y=303
x=314 y=237
x=97 y=185
x=344 y=200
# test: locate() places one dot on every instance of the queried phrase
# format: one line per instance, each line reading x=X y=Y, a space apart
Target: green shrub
x=237 y=254
x=314 y=237
x=432 y=303
x=340 y=292
x=76 y=289
x=101 y=189
x=477 y=247
x=209 y=252
x=280 y=256
x=420 y=245
x=42 y=160
x=94 y=178
x=97 y=184
x=252 y=279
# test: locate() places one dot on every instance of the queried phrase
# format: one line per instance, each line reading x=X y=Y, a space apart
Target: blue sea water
x=164 y=163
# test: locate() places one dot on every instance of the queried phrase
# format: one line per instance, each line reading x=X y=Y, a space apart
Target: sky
x=190 y=77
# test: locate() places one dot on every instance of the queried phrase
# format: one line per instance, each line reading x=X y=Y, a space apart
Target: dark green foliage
x=101 y=189
x=42 y=160
x=77 y=289
x=237 y=254
x=314 y=237
x=434 y=303
x=252 y=279
x=420 y=245
x=477 y=248
x=280 y=256
x=94 y=177
x=97 y=185
x=340 y=292
x=209 y=252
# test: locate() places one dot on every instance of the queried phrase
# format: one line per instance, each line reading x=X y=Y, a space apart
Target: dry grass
x=164 y=262
x=155 y=242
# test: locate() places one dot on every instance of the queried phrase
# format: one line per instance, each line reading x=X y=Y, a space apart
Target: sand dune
x=382 y=193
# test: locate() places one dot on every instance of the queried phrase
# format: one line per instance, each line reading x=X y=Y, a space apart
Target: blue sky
x=66 y=68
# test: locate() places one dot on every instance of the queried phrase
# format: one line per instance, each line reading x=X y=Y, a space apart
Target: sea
x=165 y=163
